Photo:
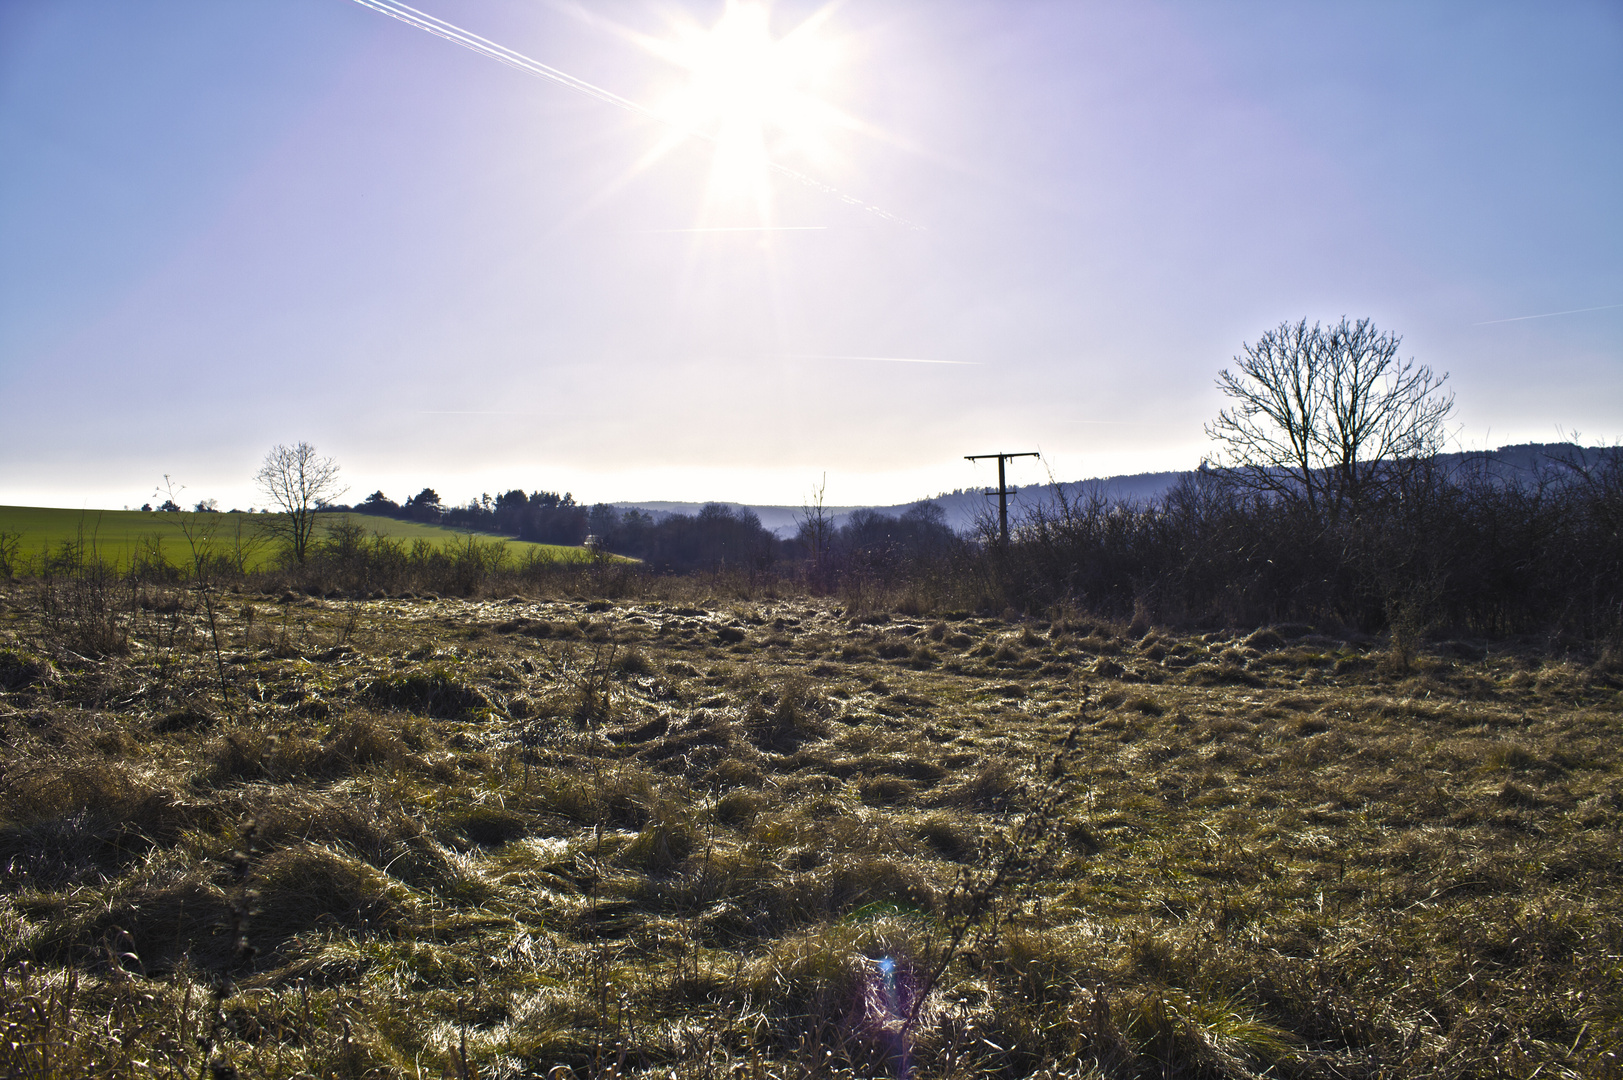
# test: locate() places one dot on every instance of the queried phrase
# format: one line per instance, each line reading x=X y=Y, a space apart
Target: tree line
x=716 y=537
x=1326 y=501
x=1464 y=549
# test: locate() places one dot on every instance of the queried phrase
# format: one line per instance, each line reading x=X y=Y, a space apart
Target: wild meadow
x=600 y=823
x=1293 y=751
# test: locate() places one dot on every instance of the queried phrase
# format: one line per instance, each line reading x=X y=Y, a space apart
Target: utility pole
x=1003 y=489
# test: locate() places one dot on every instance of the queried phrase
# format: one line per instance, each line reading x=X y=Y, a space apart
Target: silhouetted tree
x=1329 y=417
x=297 y=481
x=553 y=519
x=511 y=509
x=425 y=505
x=379 y=503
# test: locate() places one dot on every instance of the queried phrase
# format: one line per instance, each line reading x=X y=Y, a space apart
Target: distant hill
x=960 y=507
x=1515 y=464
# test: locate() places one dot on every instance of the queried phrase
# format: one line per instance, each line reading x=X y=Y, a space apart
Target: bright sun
x=754 y=96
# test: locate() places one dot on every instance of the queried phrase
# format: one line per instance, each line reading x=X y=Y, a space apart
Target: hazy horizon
x=224 y=227
x=353 y=495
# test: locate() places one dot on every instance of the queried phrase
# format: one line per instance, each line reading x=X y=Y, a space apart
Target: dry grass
x=772 y=837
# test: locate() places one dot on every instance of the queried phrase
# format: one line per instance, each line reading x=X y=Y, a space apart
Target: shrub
x=87 y=606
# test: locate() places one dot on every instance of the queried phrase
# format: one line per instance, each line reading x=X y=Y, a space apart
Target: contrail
x=485 y=47
x=1549 y=314
x=885 y=359
x=440 y=28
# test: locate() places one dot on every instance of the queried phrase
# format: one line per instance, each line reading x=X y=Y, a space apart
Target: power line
x=1003 y=491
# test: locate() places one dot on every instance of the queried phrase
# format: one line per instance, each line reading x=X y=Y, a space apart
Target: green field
x=115 y=536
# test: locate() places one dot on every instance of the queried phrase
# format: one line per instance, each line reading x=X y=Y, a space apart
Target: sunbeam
x=743 y=90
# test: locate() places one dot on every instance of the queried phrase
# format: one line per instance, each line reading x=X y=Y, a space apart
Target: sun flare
x=754 y=96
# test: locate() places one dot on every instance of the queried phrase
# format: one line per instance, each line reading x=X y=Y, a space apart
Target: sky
x=808 y=244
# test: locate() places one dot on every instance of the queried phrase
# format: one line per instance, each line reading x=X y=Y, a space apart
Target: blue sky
x=225 y=226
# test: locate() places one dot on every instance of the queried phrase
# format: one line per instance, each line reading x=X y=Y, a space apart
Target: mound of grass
x=433 y=691
x=19 y=671
x=784 y=718
x=161 y=925
x=1229 y=673
x=1265 y=638
x=307 y=885
x=489 y=826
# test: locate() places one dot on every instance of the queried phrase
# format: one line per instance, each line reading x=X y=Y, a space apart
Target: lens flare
x=746 y=93
x=754 y=95
x=889 y=1009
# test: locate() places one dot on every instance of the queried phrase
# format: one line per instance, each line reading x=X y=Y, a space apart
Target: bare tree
x=816 y=532
x=297 y=481
x=198 y=528
x=1329 y=416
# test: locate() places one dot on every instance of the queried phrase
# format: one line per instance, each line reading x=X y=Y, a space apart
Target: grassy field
x=118 y=536
x=676 y=836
